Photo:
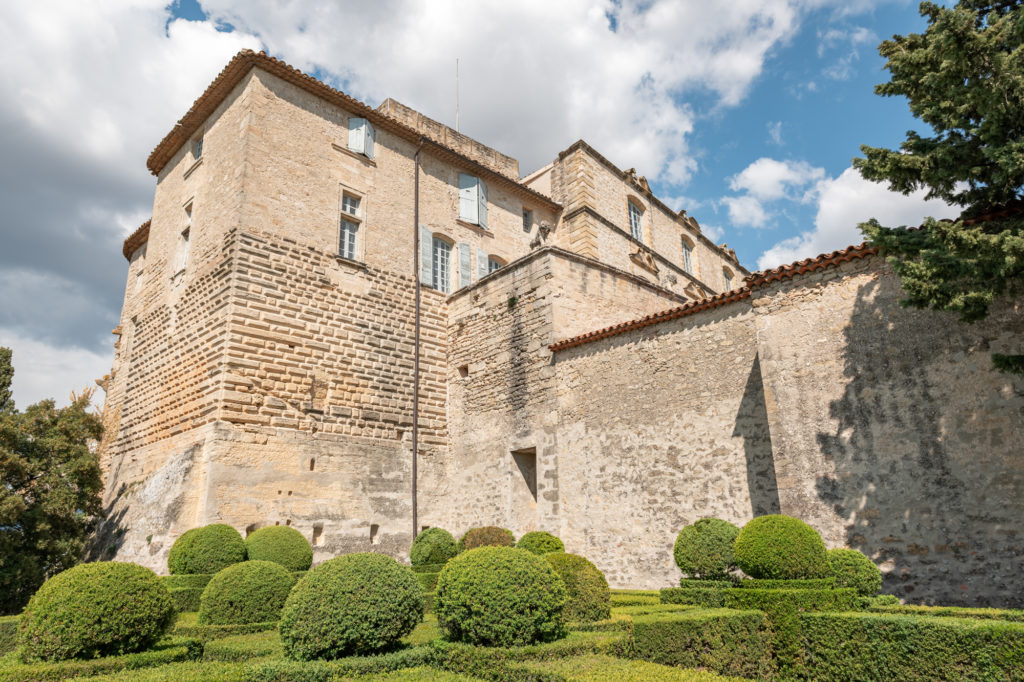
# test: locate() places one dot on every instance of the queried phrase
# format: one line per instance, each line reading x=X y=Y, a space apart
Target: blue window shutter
x=467 y=198
x=482 y=199
x=426 y=256
x=370 y=135
x=465 y=266
x=481 y=263
x=357 y=134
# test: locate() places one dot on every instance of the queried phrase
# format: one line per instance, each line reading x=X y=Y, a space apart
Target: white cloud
x=767 y=179
x=843 y=203
x=43 y=370
x=775 y=132
x=746 y=211
x=712 y=232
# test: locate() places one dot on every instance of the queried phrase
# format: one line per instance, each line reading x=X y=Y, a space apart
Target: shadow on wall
x=926 y=454
x=752 y=426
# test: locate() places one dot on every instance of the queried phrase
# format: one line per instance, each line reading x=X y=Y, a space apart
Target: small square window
x=350 y=204
x=493 y=264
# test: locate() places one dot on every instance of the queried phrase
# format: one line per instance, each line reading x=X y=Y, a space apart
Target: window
x=727 y=279
x=361 y=136
x=442 y=253
x=349 y=232
x=527 y=220
x=687 y=257
x=635 y=225
x=184 y=239
x=493 y=264
x=197 y=147
x=472 y=200
x=347 y=241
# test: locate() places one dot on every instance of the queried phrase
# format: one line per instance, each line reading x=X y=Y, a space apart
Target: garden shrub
x=186 y=581
x=427 y=568
x=892 y=606
x=249 y=592
x=600 y=668
x=206 y=550
x=851 y=568
x=725 y=641
x=97 y=609
x=704 y=549
x=540 y=542
x=781 y=548
x=433 y=546
x=874 y=646
x=589 y=596
x=206 y=633
x=487 y=536
x=8 y=633
x=243 y=647
x=782 y=608
x=281 y=544
x=282 y=670
x=500 y=596
x=353 y=604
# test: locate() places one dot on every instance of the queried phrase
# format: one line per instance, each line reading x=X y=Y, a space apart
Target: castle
x=589 y=363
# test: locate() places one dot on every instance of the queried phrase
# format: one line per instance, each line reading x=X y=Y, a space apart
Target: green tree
x=6 y=376
x=964 y=77
x=49 y=491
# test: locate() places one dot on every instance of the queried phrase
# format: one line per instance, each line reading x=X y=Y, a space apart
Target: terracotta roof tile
x=136 y=239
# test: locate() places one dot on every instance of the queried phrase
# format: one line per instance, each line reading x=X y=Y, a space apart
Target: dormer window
x=360 y=137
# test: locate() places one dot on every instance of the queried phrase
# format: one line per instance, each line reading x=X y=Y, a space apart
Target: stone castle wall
x=821 y=398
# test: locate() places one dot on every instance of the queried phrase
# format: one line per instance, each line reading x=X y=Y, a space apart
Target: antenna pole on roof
x=456 y=94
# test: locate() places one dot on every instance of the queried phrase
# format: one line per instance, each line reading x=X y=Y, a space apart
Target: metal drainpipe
x=416 y=341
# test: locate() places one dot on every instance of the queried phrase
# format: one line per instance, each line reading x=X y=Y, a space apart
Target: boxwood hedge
x=540 y=542
x=781 y=548
x=704 y=549
x=589 y=596
x=433 y=546
x=281 y=544
x=486 y=536
x=249 y=592
x=98 y=609
x=206 y=550
x=851 y=568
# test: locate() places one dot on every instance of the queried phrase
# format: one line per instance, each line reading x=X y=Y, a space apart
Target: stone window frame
x=728 y=276
x=184 y=245
x=495 y=263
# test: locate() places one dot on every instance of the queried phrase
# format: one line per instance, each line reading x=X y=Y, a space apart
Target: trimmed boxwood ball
x=99 y=609
x=432 y=546
x=851 y=568
x=500 y=596
x=354 y=604
x=486 y=536
x=281 y=544
x=780 y=547
x=249 y=592
x=206 y=550
x=540 y=542
x=589 y=596
x=704 y=549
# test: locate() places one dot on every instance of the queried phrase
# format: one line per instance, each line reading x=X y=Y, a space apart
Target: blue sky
x=746 y=114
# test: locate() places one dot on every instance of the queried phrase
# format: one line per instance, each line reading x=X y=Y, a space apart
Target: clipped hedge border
x=862 y=646
x=207 y=633
x=718 y=584
x=243 y=647
x=725 y=641
x=428 y=581
x=427 y=568
x=494 y=663
x=284 y=670
x=186 y=598
x=707 y=597
x=1011 y=615
x=634 y=599
x=195 y=581
x=805 y=584
x=8 y=633
x=603 y=667
x=782 y=607
x=171 y=651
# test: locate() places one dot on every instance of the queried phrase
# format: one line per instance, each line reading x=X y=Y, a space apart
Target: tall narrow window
x=184 y=239
x=635 y=222
x=441 y=276
x=197 y=147
x=687 y=257
x=350 y=217
x=527 y=220
x=727 y=279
